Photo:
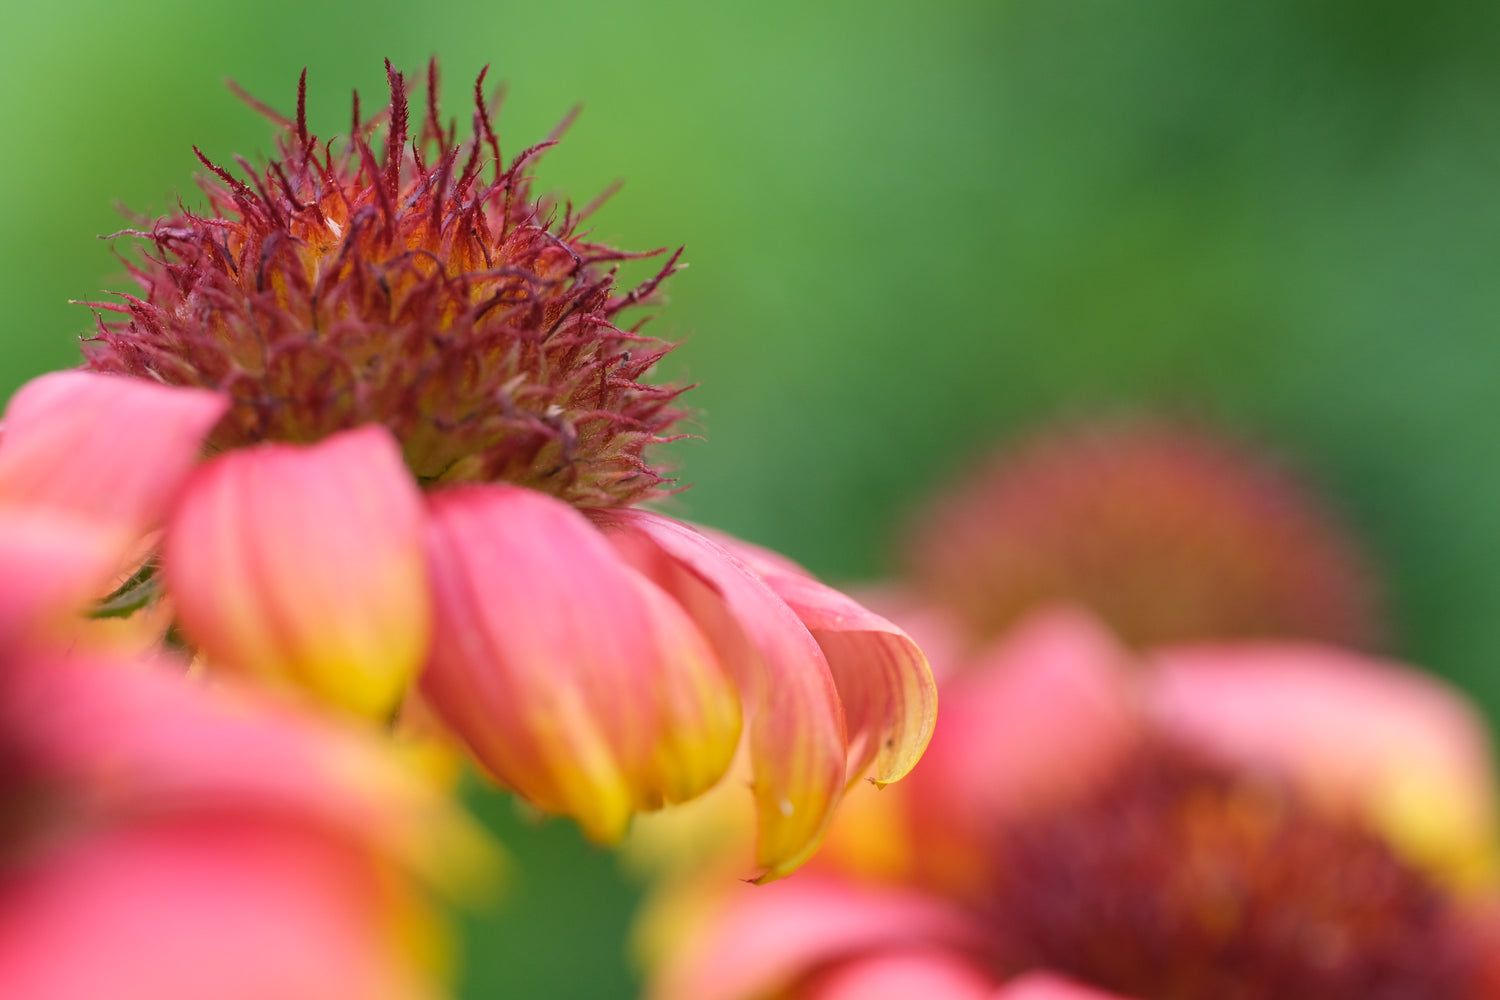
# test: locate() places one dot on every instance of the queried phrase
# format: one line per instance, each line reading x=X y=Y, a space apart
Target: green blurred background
x=912 y=229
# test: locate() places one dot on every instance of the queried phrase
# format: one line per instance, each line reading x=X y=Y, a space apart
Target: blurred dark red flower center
x=1182 y=881
x=407 y=279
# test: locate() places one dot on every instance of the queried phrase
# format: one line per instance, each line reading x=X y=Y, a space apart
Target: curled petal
x=798 y=748
x=113 y=450
x=303 y=565
x=884 y=683
x=572 y=677
x=216 y=907
x=1039 y=719
x=904 y=975
x=763 y=940
x=1398 y=746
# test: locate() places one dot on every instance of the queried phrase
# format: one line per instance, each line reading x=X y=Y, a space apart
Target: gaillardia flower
x=1251 y=821
x=163 y=841
x=427 y=434
x=1169 y=531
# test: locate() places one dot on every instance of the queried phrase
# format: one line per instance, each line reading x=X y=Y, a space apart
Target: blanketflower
x=427 y=438
x=163 y=841
x=1168 y=531
x=1241 y=821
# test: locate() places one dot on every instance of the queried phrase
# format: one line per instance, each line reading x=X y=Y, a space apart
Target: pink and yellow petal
x=303 y=566
x=111 y=450
x=1398 y=746
x=571 y=677
x=133 y=742
x=883 y=680
x=798 y=747
x=754 y=941
x=212 y=907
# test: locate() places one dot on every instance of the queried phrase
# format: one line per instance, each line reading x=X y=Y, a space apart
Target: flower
x=428 y=437
x=1249 y=820
x=162 y=840
x=1168 y=531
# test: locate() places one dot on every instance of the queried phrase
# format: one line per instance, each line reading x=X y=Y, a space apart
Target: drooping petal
x=903 y=975
x=572 y=677
x=215 y=907
x=798 y=748
x=1398 y=746
x=884 y=683
x=1042 y=717
x=113 y=450
x=303 y=565
x=763 y=939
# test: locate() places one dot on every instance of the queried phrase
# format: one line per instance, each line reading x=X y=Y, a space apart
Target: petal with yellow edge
x=798 y=747
x=1400 y=747
x=574 y=679
x=884 y=683
x=114 y=450
x=303 y=566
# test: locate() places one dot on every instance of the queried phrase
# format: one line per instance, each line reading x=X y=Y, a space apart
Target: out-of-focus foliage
x=913 y=231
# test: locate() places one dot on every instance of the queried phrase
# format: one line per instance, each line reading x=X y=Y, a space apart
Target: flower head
x=420 y=286
x=1167 y=531
x=426 y=437
x=1079 y=815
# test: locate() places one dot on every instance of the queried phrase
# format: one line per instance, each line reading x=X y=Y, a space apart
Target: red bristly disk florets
x=422 y=287
x=1168 y=531
x=1180 y=880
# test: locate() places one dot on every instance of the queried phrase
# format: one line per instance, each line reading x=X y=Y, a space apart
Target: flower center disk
x=412 y=281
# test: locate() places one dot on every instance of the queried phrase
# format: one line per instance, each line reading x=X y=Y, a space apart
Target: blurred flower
x=429 y=435
x=1169 y=532
x=162 y=841
x=1248 y=821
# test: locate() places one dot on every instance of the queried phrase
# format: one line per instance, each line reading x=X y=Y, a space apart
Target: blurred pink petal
x=798 y=748
x=884 y=683
x=51 y=565
x=1042 y=717
x=133 y=742
x=303 y=565
x=904 y=975
x=768 y=937
x=1398 y=745
x=211 y=907
x=572 y=677
x=112 y=450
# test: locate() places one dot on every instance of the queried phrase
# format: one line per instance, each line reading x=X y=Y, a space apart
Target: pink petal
x=303 y=565
x=903 y=975
x=134 y=742
x=114 y=450
x=573 y=678
x=51 y=565
x=211 y=908
x=883 y=681
x=798 y=749
x=1040 y=719
x=766 y=938
x=1044 y=986
x=1400 y=745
